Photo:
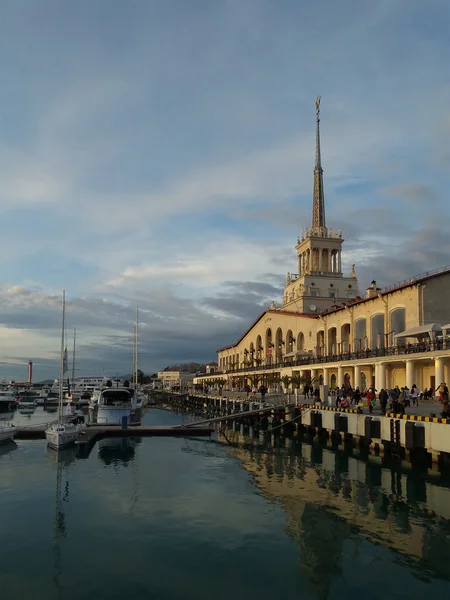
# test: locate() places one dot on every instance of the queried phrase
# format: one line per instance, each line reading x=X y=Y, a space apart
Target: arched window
x=377 y=327
x=360 y=328
x=333 y=382
x=397 y=325
x=268 y=348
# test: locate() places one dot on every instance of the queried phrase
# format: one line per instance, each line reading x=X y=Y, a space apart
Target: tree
x=297 y=381
x=286 y=381
x=254 y=379
x=220 y=381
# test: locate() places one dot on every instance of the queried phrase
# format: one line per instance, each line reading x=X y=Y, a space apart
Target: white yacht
x=7 y=432
x=116 y=403
x=7 y=398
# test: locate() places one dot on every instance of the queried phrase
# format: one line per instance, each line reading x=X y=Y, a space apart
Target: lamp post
x=386 y=336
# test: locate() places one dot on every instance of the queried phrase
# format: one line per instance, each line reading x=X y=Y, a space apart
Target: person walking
x=383 y=398
x=356 y=396
x=306 y=391
x=370 y=397
x=401 y=401
x=441 y=390
x=414 y=395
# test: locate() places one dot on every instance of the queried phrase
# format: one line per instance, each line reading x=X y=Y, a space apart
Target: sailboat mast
x=136 y=348
x=73 y=359
x=61 y=361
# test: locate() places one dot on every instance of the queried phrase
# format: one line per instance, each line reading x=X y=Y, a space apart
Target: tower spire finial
x=318 y=220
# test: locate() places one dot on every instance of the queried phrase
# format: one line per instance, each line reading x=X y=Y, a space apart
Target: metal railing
x=368 y=353
x=416 y=278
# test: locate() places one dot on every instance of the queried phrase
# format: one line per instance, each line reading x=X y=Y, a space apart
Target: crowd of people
x=395 y=400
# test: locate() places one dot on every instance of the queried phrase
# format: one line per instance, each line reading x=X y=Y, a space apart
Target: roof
x=266 y=312
x=392 y=288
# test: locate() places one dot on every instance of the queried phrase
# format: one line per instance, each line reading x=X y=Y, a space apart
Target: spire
x=318 y=198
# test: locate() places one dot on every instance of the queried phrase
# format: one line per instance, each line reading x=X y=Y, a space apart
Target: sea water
x=242 y=516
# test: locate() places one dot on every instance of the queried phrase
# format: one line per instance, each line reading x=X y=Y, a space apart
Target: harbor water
x=243 y=516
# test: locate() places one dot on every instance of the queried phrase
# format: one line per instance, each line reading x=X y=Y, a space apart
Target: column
x=339 y=261
x=299 y=265
x=314 y=376
x=380 y=381
x=357 y=376
x=320 y=259
x=325 y=377
x=340 y=377
x=410 y=373
x=438 y=372
x=330 y=258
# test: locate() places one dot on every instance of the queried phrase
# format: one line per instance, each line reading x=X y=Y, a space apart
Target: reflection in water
x=63 y=458
x=113 y=451
x=7 y=448
x=332 y=498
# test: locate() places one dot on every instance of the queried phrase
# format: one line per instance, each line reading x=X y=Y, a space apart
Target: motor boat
x=7 y=433
x=116 y=403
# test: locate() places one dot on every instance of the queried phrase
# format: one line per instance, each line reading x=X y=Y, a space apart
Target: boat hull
x=111 y=415
x=62 y=436
x=7 y=434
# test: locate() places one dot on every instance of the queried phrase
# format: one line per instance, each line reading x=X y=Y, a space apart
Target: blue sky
x=161 y=152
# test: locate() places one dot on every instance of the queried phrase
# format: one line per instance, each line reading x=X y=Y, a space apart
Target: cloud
x=165 y=158
x=413 y=193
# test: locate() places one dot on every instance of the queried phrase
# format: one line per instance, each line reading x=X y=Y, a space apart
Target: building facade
x=325 y=331
x=175 y=380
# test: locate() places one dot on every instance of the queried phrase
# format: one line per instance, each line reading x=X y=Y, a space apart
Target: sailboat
x=62 y=433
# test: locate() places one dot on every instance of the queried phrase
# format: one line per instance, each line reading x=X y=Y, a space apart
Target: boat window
x=115 y=397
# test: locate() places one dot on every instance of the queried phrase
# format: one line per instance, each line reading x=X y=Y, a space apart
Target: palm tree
x=220 y=381
x=254 y=379
x=286 y=381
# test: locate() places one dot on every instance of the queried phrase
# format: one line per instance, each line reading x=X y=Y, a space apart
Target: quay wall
x=428 y=434
x=395 y=434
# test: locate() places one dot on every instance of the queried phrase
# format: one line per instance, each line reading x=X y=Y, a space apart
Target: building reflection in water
x=330 y=497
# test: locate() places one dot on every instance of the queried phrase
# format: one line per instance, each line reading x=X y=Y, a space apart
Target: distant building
x=211 y=367
x=172 y=380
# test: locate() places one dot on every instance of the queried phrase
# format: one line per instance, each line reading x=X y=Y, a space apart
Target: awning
x=419 y=331
x=445 y=327
x=297 y=353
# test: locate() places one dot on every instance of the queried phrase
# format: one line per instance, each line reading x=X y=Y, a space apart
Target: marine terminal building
x=324 y=330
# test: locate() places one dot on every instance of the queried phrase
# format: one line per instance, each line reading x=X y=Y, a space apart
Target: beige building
x=175 y=379
x=324 y=330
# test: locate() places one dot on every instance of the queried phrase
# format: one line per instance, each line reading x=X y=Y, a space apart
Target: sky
x=161 y=153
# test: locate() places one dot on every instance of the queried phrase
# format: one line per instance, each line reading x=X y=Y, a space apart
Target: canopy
x=445 y=327
x=419 y=331
x=297 y=353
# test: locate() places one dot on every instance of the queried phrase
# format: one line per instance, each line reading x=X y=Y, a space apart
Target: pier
x=410 y=435
x=91 y=434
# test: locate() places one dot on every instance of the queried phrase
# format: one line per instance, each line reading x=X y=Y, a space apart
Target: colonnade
x=379 y=371
x=323 y=260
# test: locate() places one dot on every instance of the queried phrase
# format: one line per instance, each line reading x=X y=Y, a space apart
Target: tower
x=319 y=282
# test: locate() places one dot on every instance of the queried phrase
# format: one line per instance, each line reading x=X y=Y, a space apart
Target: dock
x=90 y=435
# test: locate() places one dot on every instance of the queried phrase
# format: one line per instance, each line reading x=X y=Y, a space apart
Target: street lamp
x=386 y=335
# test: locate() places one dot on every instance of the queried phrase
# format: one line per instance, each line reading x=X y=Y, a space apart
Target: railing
x=344 y=356
x=416 y=278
